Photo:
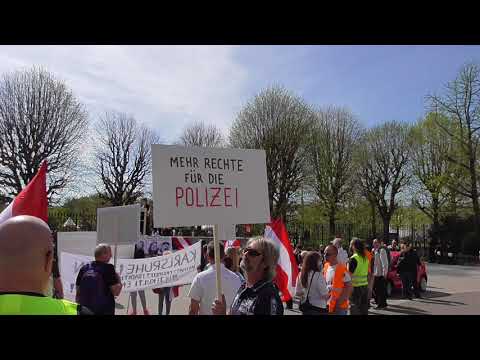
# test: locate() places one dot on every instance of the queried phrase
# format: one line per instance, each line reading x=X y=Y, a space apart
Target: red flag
x=32 y=200
x=180 y=243
x=287 y=268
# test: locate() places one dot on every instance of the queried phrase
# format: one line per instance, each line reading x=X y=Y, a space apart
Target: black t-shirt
x=261 y=299
x=109 y=278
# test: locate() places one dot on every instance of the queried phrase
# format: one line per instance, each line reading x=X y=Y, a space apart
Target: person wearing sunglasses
x=339 y=282
x=259 y=295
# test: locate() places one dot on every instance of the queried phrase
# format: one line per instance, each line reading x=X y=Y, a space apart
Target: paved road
x=451 y=290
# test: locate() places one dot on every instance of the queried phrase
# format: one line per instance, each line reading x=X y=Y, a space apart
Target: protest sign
x=84 y=243
x=227 y=232
x=196 y=186
x=178 y=268
x=118 y=224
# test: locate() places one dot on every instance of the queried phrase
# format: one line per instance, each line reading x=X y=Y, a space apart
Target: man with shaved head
x=26 y=256
x=339 y=282
x=342 y=256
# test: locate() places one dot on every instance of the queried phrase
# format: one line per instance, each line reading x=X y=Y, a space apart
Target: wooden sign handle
x=216 y=244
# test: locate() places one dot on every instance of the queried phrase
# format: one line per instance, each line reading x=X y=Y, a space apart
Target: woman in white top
x=311 y=284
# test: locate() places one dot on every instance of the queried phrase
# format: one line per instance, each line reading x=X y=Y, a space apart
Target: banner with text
x=178 y=268
x=196 y=186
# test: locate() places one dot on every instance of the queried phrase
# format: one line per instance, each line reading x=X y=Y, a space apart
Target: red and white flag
x=32 y=200
x=287 y=268
x=179 y=243
x=232 y=243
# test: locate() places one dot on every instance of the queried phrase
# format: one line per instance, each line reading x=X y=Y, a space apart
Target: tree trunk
x=373 y=219
x=386 y=230
x=436 y=220
x=331 y=221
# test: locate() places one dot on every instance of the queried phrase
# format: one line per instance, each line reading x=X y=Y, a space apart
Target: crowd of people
x=330 y=281
x=350 y=282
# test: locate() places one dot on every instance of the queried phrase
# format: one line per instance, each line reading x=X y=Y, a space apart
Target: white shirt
x=380 y=263
x=204 y=288
x=342 y=256
x=318 y=294
x=330 y=275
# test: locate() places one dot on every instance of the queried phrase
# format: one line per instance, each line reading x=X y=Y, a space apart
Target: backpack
x=92 y=290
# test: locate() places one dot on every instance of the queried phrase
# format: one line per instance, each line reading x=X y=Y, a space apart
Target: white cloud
x=164 y=86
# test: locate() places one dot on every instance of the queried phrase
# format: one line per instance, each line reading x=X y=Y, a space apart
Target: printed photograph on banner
x=154 y=245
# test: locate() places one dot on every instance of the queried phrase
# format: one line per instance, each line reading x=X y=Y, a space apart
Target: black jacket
x=408 y=262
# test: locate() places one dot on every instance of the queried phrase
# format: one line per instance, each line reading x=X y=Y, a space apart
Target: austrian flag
x=32 y=200
x=287 y=268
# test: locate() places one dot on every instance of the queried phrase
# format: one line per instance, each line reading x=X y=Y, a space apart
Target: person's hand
x=219 y=307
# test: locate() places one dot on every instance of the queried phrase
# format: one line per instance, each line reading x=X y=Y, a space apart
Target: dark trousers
x=290 y=304
x=409 y=281
x=359 y=301
x=380 y=291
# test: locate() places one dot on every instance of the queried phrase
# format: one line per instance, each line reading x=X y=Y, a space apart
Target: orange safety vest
x=369 y=256
x=337 y=286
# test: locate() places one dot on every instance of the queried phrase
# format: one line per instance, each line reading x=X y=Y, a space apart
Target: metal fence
x=316 y=235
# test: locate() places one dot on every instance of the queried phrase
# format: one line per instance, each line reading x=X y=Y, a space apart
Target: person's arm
x=219 y=307
x=113 y=281
x=195 y=294
x=346 y=292
x=116 y=289
x=299 y=287
x=58 y=286
x=351 y=266
x=322 y=286
x=77 y=283
x=194 y=308
x=77 y=295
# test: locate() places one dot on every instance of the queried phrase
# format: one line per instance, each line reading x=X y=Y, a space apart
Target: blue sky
x=168 y=87
x=378 y=83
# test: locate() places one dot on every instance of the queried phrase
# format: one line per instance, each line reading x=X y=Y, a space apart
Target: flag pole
x=216 y=244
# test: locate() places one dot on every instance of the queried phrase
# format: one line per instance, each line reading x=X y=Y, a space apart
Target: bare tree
x=39 y=119
x=461 y=103
x=330 y=164
x=200 y=134
x=383 y=173
x=122 y=157
x=278 y=122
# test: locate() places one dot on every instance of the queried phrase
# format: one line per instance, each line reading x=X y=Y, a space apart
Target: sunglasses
x=327 y=254
x=251 y=252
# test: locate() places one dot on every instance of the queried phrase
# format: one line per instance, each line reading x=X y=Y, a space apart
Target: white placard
x=118 y=224
x=178 y=268
x=227 y=232
x=196 y=186
x=84 y=243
